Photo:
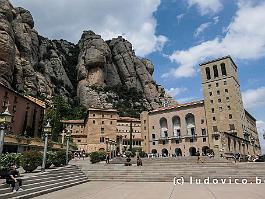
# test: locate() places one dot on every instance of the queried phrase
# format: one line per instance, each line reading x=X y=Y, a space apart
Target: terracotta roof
x=72 y=121
x=178 y=106
x=128 y=119
x=102 y=109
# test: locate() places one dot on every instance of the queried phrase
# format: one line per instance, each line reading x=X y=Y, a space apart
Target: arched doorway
x=205 y=150
x=164 y=152
x=178 y=152
x=154 y=151
x=192 y=151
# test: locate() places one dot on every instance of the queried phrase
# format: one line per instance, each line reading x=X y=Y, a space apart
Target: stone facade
x=78 y=135
x=219 y=122
x=178 y=130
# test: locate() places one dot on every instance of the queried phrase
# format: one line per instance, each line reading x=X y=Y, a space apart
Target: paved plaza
x=156 y=190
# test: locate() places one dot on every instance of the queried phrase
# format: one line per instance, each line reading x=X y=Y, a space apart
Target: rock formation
x=90 y=70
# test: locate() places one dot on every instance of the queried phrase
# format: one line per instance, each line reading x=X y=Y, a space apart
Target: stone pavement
x=157 y=190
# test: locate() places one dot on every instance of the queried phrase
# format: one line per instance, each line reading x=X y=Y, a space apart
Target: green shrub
x=59 y=158
x=97 y=156
x=128 y=153
x=9 y=159
x=31 y=160
x=50 y=158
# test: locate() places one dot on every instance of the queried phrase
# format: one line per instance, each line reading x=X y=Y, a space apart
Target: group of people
x=80 y=154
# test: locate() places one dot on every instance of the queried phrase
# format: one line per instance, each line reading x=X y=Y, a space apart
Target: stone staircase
x=42 y=183
x=165 y=169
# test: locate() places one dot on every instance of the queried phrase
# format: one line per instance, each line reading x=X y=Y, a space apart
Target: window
x=209 y=85
x=110 y=116
x=208 y=73
x=227 y=99
x=219 y=100
x=230 y=116
x=102 y=122
x=217 y=84
x=94 y=115
x=226 y=90
x=153 y=127
x=191 y=140
x=177 y=141
x=78 y=140
x=145 y=128
x=212 y=110
x=218 y=92
x=212 y=101
x=203 y=131
x=216 y=137
x=215 y=129
x=231 y=127
x=225 y=82
x=214 y=119
x=102 y=129
x=220 y=108
x=215 y=71
x=229 y=107
x=101 y=139
x=203 y=139
x=202 y=121
x=94 y=122
x=145 y=137
x=210 y=93
x=223 y=69
x=102 y=115
x=110 y=122
x=154 y=143
x=153 y=136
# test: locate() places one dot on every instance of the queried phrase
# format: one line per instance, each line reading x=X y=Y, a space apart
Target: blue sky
x=175 y=34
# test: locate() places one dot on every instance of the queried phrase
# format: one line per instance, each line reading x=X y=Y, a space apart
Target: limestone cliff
x=91 y=70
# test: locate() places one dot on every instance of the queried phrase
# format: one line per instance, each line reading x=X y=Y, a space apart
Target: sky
x=176 y=35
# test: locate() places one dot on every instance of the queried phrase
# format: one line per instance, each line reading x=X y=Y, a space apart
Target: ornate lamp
x=5 y=120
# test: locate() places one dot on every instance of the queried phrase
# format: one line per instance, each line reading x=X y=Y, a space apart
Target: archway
x=176 y=126
x=154 y=151
x=164 y=152
x=205 y=150
x=178 y=152
x=192 y=151
x=190 y=123
x=163 y=127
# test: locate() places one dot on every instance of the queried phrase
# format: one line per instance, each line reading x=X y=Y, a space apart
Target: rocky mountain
x=99 y=73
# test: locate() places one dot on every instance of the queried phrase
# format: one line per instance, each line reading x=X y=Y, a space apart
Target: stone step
x=46 y=182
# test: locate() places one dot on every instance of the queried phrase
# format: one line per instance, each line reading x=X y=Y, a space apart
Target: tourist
x=107 y=158
x=12 y=178
x=198 y=157
x=139 y=161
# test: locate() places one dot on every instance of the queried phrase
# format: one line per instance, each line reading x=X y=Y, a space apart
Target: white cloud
x=201 y=28
x=174 y=92
x=64 y=19
x=180 y=17
x=245 y=40
x=207 y=6
x=261 y=131
x=254 y=98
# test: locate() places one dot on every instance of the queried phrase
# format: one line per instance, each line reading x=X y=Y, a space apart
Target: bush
x=97 y=156
x=7 y=160
x=31 y=160
x=50 y=159
x=128 y=154
x=59 y=158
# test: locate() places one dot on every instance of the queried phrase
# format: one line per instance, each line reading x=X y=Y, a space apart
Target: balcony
x=163 y=138
x=176 y=137
x=216 y=133
x=190 y=135
x=232 y=131
x=246 y=133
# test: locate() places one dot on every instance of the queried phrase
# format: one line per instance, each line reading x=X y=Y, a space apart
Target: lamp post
x=47 y=131
x=5 y=120
x=68 y=135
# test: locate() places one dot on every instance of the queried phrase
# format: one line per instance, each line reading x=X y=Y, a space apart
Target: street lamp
x=5 y=120
x=47 y=131
x=68 y=135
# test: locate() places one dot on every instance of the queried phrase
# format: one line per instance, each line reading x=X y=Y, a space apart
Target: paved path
x=157 y=190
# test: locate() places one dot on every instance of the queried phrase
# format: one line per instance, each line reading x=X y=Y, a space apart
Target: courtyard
x=157 y=190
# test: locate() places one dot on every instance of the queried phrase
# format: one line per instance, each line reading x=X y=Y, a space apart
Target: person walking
x=107 y=158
